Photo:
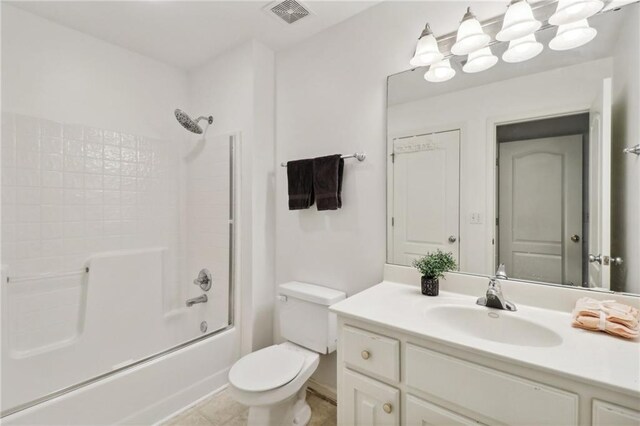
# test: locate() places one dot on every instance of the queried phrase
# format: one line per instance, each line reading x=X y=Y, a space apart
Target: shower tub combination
x=104 y=235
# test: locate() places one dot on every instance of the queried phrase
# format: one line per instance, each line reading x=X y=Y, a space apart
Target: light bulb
x=440 y=72
x=522 y=49
x=427 y=51
x=570 y=36
x=569 y=11
x=518 y=22
x=470 y=36
x=480 y=60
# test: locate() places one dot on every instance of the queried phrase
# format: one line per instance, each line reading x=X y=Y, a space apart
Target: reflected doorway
x=543 y=199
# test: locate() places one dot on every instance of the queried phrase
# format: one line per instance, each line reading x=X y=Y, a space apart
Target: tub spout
x=199 y=299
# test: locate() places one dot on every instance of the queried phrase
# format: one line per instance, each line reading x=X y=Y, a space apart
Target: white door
x=540 y=209
x=425 y=195
x=600 y=187
x=368 y=402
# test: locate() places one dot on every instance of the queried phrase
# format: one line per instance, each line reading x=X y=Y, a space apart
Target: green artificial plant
x=434 y=265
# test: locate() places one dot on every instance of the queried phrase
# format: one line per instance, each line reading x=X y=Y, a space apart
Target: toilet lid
x=266 y=369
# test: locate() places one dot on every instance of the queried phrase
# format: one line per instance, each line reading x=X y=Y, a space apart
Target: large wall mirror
x=524 y=164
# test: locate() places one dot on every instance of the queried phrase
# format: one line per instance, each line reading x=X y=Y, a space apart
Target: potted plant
x=432 y=266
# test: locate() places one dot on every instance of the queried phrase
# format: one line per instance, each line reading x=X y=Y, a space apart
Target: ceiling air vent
x=289 y=11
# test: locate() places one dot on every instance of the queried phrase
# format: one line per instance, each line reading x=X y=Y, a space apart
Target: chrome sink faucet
x=494 y=297
x=199 y=299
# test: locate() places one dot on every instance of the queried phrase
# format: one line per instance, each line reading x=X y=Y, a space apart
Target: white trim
x=191 y=405
x=324 y=390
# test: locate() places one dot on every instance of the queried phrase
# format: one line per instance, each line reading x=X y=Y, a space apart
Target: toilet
x=272 y=381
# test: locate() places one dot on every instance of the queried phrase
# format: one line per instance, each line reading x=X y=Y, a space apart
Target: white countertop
x=592 y=357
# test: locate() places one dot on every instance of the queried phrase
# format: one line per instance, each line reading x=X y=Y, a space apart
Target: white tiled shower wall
x=69 y=191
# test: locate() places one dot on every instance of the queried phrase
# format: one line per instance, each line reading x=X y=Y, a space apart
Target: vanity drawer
x=491 y=393
x=606 y=414
x=372 y=353
x=421 y=412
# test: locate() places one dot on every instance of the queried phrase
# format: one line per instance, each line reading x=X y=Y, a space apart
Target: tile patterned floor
x=222 y=410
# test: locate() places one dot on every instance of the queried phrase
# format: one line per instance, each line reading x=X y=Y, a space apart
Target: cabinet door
x=368 y=402
x=606 y=414
x=420 y=412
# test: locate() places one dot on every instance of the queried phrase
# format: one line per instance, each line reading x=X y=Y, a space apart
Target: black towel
x=300 y=177
x=327 y=181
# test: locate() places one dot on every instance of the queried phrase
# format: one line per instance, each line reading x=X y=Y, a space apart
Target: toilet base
x=293 y=411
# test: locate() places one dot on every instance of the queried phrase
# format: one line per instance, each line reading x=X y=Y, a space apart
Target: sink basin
x=492 y=324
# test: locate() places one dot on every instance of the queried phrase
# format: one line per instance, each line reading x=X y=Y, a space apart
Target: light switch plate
x=476 y=218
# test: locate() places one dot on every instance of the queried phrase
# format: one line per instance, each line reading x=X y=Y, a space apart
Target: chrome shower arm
x=209 y=119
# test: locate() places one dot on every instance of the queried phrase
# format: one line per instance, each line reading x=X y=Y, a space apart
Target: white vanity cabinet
x=392 y=377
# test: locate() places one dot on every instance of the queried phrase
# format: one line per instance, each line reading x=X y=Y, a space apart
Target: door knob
x=388 y=408
x=452 y=239
x=616 y=261
x=575 y=238
x=595 y=259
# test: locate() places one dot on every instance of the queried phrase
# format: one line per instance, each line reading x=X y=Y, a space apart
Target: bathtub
x=109 y=323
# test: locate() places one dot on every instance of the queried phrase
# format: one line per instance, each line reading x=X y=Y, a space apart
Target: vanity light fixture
x=522 y=49
x=518 y=21
x=570 y=11
x=470 y=36
x=570 y=36
x=427 y=51
x=439 y=72
x=480 y=60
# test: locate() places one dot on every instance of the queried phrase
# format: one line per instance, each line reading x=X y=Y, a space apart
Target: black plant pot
x=430 y=286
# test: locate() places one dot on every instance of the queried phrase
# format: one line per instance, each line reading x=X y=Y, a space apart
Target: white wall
x=53 y=72
x=625 y=212
x=565 y=89
x=237 y=89
x=330 y=98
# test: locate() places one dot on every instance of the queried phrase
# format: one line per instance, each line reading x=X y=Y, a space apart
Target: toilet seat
x=266 y=369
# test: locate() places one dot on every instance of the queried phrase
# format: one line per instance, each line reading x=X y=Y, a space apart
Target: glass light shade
x=440 y=72
x=427 y=52
x=470 y=36
x=569 y=11
x=573 y=35
x=480 y=60
x=518 y=22
x=522 y=49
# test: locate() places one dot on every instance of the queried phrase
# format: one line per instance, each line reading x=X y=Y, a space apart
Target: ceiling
x=188 y=33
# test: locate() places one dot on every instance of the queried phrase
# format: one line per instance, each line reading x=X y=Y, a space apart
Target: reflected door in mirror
x=425 y=209
x=540 y=213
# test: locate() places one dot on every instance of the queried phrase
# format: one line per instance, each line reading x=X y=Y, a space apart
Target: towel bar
x=360 y=156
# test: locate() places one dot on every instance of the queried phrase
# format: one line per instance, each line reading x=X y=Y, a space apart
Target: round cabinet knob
x=388 y=408
x=365 y=354
x=575 y=238
x=452 y=239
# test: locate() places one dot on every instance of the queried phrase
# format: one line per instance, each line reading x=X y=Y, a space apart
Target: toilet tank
x=304 y=315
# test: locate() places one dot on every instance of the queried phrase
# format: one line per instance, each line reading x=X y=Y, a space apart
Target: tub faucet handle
x=204 y=280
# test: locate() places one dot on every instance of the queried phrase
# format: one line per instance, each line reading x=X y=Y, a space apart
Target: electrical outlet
x=476 y=218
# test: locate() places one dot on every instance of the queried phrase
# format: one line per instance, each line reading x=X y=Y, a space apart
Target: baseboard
x=324 y=391
x=192 y=404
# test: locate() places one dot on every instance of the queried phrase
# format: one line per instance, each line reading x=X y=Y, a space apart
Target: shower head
x=191 y=124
